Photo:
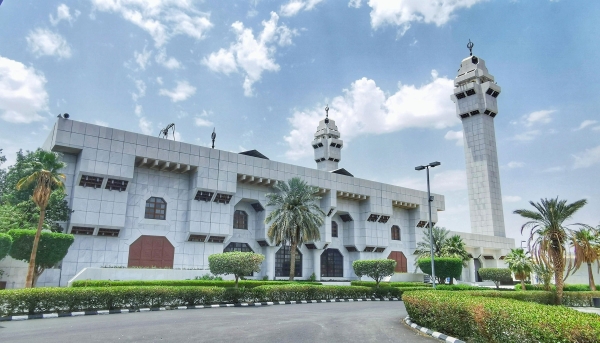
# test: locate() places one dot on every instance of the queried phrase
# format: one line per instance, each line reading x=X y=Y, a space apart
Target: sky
x=261 y=72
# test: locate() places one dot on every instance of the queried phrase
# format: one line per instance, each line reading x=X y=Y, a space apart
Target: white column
x=317 y=262
x=472 y=270
x=270 y=261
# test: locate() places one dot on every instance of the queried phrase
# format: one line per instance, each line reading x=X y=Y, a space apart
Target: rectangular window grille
x=380 y=249
x=470 y=92
x=487 y=112
x=240 y=220
x=310 y=246
x=203 y=196
x=108 y=232
x=315 y=146
x=346 y=218
x=464 y=115
x=395 y=233
x=80 y=230
x=492 y=114
x=263 y=243
x=91 y=181
x=373 y=218
x=222 y=198
x=332 y=144
x=351 y=249
x=489 y=91
x=235 y=246
x=197 y=238
x=116 y=185
x=258 y=207
x=474 y=112
x=384 y=219
x=369 y=249
x=215 y=239
x=334 y=229
x=156 y=208
x=488 y=257
x=283 y=262
x=460 y=95
x=495 y=95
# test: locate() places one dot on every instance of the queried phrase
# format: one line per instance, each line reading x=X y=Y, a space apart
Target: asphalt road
x=322 y=322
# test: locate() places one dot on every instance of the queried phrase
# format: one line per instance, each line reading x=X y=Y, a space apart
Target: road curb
x=432 y=333
x=105 y=312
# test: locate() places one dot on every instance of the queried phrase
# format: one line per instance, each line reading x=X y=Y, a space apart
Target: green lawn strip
x=478 y=317
x=205 y=283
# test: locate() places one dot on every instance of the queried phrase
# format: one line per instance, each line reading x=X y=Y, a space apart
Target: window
x=108 y=232
x=240 y=220
x=395 y=233
x=116 y=185
x=282 y=261
x=332 y=263
x=91 y=181
x=334 y=229
x=241 y=247
x=80 y=230
x=156 y=208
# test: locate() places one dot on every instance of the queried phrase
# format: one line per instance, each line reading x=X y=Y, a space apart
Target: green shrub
x=567 y=288
x=208 y=277
x=444 y=267
x=309 y=292
x=495 y=320
x=375 y=269
x=390 y=284
x=5 y=244
x=573 y=299
x=460 y=288
x=237 y=263
x=496 y=275
x=201 y=283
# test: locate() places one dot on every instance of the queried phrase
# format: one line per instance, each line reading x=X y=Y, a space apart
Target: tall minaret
x=475 y=96
x=327 y=144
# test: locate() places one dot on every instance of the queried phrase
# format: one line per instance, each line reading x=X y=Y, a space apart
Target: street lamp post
x=429 y=200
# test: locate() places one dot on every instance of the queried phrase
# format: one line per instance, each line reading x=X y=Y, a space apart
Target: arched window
x=332 y=263
x=283 y=259
x=241 y=247
x=156 y=208
x=334 y=229
x=395 y=233
x=240 y=220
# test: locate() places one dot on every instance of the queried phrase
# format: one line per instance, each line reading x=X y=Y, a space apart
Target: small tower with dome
x=327 y=144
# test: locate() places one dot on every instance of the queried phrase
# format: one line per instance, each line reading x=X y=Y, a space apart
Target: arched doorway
x=477 y=264
x=400 y=259
x=151 y=251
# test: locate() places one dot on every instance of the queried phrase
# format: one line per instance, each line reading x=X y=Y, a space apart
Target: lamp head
x=434 y=164
x=420 y=168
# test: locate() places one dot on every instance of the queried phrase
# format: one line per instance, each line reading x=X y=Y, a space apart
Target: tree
x=5 y=244
x=548 y=236
x=544 y=273
x=444 y=267
x=52 y=248
x=375 y=269
x=237 y=263
x=520 y=264
x=44 y=173
x=296 y=216
x=496 y=275
x=455 y=247
x=586 y=245
x=439 y=235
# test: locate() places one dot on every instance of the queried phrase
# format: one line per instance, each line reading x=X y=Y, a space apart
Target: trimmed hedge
x=497 y=275
x=202 y=283
x=390 y=284
x=375 y=269
x=55 y=299
x=443 y=287
x=566 y=288
x=444 y=267
x=479 y=319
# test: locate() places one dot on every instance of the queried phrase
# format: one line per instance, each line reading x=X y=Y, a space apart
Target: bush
x=495 y=274
x=460 y=288
x=237 y=263
x=573 y=299
x=375 y=269
x=208 y=277
x=479 y=319
x=197 y=283
x=308 y=292
x=390 y=284
x=567 y=288
x=444 y=267
x=5 y=244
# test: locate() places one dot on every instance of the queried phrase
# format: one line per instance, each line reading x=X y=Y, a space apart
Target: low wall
x=15 y=273
x=93 y=273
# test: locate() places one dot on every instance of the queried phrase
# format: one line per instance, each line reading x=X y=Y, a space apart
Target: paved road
x=321 y=322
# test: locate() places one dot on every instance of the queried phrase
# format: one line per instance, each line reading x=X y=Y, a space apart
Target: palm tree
x=455 y=247
x=439 y=235
x=548 y=236
x=44 y=173
x=543 y=272
x=586 y=244
x=520 y=264
x=296 y=217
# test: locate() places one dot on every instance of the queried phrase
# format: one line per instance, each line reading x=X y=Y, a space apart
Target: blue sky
x=262 y=71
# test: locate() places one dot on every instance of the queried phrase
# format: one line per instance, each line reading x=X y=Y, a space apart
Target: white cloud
x=142 y=58
x=252 y=55
x=161 y=19
x=138 y=110
x=145 y=126
x=354 y=3
x=365 y=108
x=295 y=6
x=441 y=182
x=63 y=13
x=159 y=80
x=181 y=92
x=167 y=62
x=587 y=158
x=455 y=135
x=511 y=198
x=515 y=164
x=22 y=92
x=538 y=117
x=199 y=121
x=43 y=42
x=585 y=124
x=101 y=123
x=404 y=12
x=526 y=136
x=553 y=169
x=141 y=90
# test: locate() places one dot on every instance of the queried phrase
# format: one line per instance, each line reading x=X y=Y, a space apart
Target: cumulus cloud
x=587 y=158
x=364 y=108
x=538 y=117
x=402 y=13
x=141 y=90
x=515 y=164
x=100 y=123
x=441 y=182
x=252 y=55
x=585 y=124
x=165 y=61
x=22 y=92
x=145 y=126
x=181 y=92
x=142 y=58
x=526 y=136
x=63 y=13
x=456 y=136
x=200 y=120
x=511 y=198
x=295 y=6
x=43 y=42
x=161 y=19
